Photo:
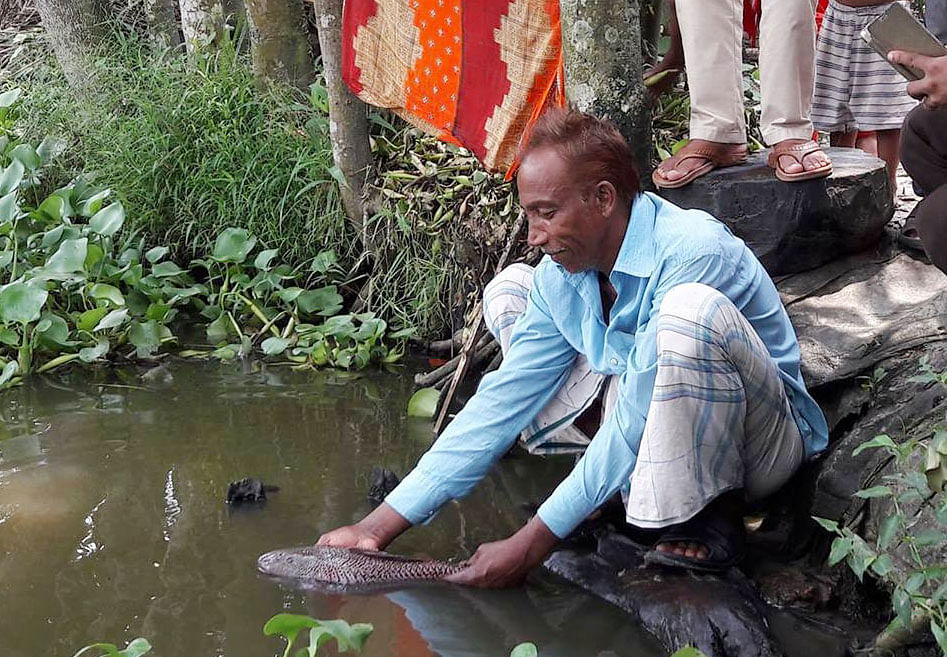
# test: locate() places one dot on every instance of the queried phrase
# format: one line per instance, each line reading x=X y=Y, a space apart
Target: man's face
x=564 y=219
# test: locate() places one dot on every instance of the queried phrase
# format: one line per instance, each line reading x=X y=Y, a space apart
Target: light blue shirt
x=664 y=246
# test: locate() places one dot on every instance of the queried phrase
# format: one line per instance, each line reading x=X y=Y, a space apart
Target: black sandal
x=722 y=535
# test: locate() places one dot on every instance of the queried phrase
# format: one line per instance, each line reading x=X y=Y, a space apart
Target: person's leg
x=843 y=139
x=711 y=36
x=889 y=146
x=719 y=420
x=553 y=431
x=672 y=61
x=931 y=222
x=787 y=74
x=924 y=147
x=935 y=18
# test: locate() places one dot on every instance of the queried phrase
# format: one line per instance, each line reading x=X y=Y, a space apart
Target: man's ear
x=606 y=196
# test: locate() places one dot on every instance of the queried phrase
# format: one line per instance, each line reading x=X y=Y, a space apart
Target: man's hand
x=932 y=88
x=506 y=563
x=374 y=532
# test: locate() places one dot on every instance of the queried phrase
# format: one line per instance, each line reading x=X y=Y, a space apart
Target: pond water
x=113 y=525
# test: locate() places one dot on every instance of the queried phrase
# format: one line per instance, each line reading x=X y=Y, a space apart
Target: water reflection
x=113 y=524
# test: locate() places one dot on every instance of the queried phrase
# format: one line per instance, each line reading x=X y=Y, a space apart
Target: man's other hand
x=374 y=532
x=506 y=563
x=932 y=88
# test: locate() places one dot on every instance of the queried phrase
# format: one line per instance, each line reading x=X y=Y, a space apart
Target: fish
x=352 y=569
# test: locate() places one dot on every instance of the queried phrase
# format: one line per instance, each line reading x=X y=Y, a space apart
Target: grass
x=193 y=149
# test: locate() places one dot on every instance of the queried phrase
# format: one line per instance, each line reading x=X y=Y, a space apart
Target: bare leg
x=673 y=59
x=889 y=150
x=843 y=139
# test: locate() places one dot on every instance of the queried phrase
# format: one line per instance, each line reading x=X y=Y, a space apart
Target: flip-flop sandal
x=797 y=152
x=714 y=155
x=724 y=540
x=908 y=236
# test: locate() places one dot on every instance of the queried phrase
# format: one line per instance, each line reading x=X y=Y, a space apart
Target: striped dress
x=855 y=88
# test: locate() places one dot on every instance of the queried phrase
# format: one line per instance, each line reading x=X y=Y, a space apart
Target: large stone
x=797 y=226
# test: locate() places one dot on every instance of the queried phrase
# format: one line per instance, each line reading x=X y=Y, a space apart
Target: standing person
x=711 y=32
x=685 y=337
x=924 y=150
x=855 y=88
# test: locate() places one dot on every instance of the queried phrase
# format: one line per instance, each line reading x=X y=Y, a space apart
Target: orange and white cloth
x=476 y=73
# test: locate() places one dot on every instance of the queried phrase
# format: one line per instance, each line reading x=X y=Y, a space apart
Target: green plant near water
x=903 y=555
x=75 y=286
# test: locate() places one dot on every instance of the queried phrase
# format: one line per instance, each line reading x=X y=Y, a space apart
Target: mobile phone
x=897 y=29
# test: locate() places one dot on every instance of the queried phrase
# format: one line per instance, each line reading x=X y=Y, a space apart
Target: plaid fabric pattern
x=473 y=72
x=855 y=88
x=719 y=413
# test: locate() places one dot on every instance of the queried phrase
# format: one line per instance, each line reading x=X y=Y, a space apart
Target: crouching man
x=657 y=315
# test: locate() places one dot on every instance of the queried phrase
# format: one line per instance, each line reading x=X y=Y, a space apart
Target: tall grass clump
x=192 y=147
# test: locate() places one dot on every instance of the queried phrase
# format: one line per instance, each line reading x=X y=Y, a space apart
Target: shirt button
x=614 y=361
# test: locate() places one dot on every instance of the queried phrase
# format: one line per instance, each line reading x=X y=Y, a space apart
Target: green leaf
x=158 y=312
x=940 y=635
x=70 y=257
x=112 y=320
x=688 y=651
x=94 y=256
x=11 y=176
x=290 y=294
x=53 y=208
x=92 y=205
x=20 y=302
x=324 y=261
x=109 y=293
x=27 y=155
x=219 y=329
x=882 y=566
x=887 y=531
x=55 y=333
x=233 y=245
x=874 y=491
x=901 y=603
x=882 y=440
x=89 y=354
x=423 y=402
x=274 y=346
x=527 y=650
x=136 y=648
x=841 y=548
x=111 y=650
x=155 y=254
x=9 y=98
x=927 y=537
x=108 y=220
x=145 y=336
x=324 y=301
x=264 y=258
x=9 y=208
x=166 y=270
x=288 y=626
x=9 y=336
x=826 y=524
x=51 y=148
x=8 y=372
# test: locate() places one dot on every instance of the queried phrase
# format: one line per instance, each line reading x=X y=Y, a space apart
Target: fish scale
x=351 y=568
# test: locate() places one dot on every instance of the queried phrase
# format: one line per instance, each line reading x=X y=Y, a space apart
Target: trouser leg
x=935 y=17
x=552 y=432
x=712 y=36
x=719 y=418
x=787 y=69
x=924 y=156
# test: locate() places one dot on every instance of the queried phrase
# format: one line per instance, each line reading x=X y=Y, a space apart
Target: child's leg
x=889 y=151
x=843 y=139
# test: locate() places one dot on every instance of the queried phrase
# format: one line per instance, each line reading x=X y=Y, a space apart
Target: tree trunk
x=601 y=41
x=279 y=43
x=74 y=28
x=163 y=23
x=202 y=22
x=348 y=124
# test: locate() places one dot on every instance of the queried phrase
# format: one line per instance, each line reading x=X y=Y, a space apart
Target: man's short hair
x=593 y=145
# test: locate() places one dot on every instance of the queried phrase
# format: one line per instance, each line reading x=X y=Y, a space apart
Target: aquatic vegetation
x=135 y=648
x=288 y=626
x=906 y=553
x=76 y=287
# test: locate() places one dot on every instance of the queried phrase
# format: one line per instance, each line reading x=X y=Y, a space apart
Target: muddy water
x=112 y=523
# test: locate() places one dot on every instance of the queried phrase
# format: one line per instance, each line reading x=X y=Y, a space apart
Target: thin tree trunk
x=278 y=42
x=348 y=123
x=74 y=28
x=163 y=23
x=202 y=22
x=601 y=42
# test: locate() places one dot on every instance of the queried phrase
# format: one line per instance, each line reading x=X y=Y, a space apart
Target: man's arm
x=932 y=88
x=535 y=366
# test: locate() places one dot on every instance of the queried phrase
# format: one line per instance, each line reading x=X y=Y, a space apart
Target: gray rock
x=797 y=226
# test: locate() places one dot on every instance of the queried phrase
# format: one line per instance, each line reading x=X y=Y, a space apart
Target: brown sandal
x=797 y=152
x=714 y=154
